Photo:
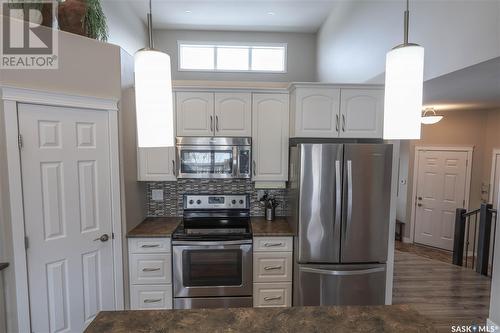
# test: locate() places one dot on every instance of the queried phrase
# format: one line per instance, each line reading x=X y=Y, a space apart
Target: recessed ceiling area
x=237 y=15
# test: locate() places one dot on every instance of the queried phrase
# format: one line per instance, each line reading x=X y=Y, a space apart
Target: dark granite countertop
x=155 y=227
x=376 y=319
x=278 y=227
x=3 y=265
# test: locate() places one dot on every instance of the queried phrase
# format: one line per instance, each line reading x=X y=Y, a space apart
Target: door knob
x=419 y=198
x=103 y=238
x=419 y=205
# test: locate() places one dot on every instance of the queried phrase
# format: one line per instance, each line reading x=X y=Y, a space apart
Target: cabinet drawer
x=273 y=244
x=151 y=297
x=150 y=269
x=272 y=267
x=272 y=294
x=149 y=245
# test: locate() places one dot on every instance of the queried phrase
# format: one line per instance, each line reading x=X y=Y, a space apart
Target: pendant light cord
x=150 y=26
x=407 y=22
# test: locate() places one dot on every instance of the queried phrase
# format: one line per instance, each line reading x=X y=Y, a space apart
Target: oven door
x=207 y=162
x=207 y=269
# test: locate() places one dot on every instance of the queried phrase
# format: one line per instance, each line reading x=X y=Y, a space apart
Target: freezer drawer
x=339 y=285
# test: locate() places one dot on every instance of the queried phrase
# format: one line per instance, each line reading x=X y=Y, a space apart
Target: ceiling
x=472 y=88
x=237 y=15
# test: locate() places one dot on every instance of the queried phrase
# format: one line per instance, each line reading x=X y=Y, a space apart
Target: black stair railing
x=477 y=225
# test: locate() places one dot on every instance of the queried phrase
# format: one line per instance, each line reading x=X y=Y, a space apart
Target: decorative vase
x=71 y=16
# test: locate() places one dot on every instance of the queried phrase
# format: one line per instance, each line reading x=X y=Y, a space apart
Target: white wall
x=353 y=41
x=301 y=53
x=126 y=26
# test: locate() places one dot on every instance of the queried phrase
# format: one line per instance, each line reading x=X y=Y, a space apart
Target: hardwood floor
x=447 y=294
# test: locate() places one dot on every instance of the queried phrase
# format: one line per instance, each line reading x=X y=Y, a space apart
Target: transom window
x=232 y=57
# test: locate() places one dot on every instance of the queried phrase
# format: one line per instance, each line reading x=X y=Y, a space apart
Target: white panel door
x=317 y=112
x=67 y=200
x=195 y=114
x=270 y=137
x=156 y=163
x=233 y=114
x=441 y=184
x=362 y=113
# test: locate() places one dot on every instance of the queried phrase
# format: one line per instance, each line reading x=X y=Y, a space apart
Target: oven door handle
x=211 y=243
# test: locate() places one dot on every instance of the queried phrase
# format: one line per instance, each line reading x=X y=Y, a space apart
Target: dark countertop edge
x=3 y=265
x=254 y=220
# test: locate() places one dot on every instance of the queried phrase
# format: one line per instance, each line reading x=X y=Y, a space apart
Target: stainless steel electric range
x=212 y=253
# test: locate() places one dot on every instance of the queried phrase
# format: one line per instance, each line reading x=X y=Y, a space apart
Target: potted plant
x=83 y=17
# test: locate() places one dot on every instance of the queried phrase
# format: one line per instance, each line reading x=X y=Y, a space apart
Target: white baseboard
x=491 y=323
x=407 y=240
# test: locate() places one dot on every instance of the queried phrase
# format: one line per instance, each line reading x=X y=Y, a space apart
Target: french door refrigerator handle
x=342 y=273
x=349 y=200
x=338 y=193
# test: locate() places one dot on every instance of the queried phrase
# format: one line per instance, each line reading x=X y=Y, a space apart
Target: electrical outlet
x=157 y=195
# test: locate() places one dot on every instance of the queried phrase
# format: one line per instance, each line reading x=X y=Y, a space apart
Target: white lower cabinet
x=272 y=272
x=150 y=265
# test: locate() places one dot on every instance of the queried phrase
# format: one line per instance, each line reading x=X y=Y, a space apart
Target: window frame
x=215 y=45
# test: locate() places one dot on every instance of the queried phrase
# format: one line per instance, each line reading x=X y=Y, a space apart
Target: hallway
x=447 y=294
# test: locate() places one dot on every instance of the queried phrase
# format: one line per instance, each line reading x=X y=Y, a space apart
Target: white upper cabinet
x=362 y=112
x=214 y=114
x=233 y=114
x=315 y=112
x=335 y=111
x=195 y=113
x=156 y=164
x=270 y=114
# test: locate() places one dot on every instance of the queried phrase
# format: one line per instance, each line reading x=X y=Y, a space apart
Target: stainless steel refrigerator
x=340 y=205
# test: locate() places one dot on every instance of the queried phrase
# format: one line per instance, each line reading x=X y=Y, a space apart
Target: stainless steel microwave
x=214 y=157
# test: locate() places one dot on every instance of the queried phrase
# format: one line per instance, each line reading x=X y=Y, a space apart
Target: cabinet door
x=195 y=114
x=233 y=114
x=362 y=112
x=156 y=164
x=317 y=112
x=270 y=137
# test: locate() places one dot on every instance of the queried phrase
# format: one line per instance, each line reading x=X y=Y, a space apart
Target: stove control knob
x=198 y=201
x=233 y=202
x=191 y=202
x=241 y=202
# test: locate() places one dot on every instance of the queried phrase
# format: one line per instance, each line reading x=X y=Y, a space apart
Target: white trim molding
x=10 y=97
x=30 y=96
x=496 y=152
x=468 y=178
x=495 y=326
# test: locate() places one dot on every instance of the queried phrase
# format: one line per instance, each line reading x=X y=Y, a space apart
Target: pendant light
x=404 y=77
x=153 y=95
x=430 y=117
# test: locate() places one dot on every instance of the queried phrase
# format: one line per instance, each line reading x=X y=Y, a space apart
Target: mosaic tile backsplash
x=173 y=192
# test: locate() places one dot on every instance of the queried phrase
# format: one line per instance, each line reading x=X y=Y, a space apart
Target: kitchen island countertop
x=377 y=319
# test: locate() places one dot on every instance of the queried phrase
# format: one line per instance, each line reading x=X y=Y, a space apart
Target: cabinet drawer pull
x=173 y=167
x=272 y=244
x=337 y=123
x=273 y=298
x=151 y=269
x=147 y=246
x=343 y=123
x=217 y=123
x=152 y=300
x=211 y=124
x=270 y=268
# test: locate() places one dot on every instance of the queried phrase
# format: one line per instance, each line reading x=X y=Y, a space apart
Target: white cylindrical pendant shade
x=153 y=99
x=404 y=77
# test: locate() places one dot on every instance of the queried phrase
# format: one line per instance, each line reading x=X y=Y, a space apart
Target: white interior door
x=67 y=201
x=441 y=187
